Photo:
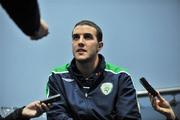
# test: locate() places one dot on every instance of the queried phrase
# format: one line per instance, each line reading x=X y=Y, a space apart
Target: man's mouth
x=81 y=50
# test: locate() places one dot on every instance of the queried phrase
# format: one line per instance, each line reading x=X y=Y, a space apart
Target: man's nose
x=81 y=41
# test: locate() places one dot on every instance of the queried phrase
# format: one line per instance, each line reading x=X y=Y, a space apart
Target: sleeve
x=25 y=13
x=16 y=115
x=176 y=118
x=126 y=104
x=59 y=110
x=1 y=118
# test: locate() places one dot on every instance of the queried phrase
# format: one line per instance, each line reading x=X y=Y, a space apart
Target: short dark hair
x=99 y=33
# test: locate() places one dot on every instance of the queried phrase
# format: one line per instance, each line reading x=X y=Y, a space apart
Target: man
x=26 y=15
x=34 y=109
x=162 y=106
x=91 y=89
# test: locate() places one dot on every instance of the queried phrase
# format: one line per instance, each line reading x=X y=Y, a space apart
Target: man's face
x=85 y=45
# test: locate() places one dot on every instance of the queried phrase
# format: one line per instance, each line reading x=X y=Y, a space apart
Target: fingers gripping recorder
x=148 y=87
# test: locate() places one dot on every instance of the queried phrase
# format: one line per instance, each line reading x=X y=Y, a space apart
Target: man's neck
x=86 y=68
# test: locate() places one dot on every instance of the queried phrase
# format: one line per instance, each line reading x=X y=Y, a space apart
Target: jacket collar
x=93 y=78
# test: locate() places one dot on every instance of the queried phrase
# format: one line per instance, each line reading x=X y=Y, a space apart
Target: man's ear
x=100 y=46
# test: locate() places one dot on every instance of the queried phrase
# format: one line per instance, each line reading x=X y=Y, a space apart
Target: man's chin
x=81 y=60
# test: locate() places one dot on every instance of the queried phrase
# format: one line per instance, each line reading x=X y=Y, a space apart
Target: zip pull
x=86 y=95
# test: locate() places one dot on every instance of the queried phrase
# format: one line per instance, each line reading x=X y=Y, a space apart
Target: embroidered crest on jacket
x=106 y=88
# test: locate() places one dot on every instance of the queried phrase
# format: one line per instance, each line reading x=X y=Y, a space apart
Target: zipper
x=86 y=95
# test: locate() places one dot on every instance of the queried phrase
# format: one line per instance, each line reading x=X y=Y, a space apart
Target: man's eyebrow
x=75 y=34
x=87 y=34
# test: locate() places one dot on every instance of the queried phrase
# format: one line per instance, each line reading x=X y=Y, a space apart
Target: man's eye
x=75 y=37
x=88 y=36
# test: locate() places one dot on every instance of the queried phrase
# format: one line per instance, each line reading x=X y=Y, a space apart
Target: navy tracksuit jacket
x=107 y=94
